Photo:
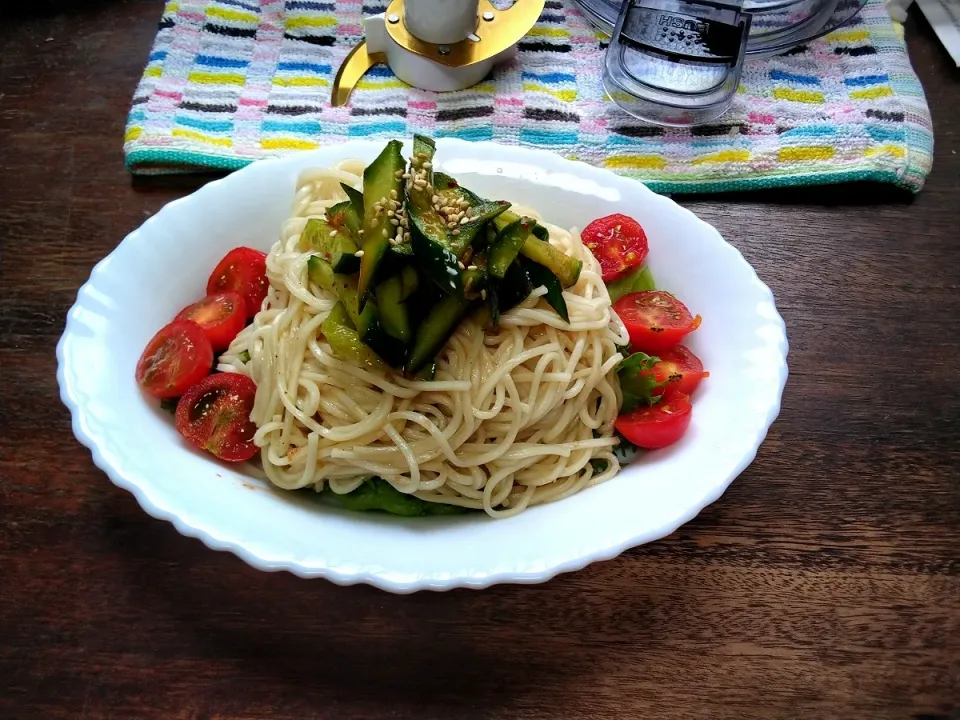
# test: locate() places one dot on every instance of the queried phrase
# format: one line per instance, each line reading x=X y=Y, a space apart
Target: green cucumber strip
x=345 y=341
x=507 y=246
x=559 y=263
x=634 y=281
x=539 y=275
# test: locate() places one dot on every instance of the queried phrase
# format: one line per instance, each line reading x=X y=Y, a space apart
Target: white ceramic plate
x=164 y=265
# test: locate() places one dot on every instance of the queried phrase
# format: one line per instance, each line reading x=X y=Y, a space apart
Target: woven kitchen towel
x=232 y=81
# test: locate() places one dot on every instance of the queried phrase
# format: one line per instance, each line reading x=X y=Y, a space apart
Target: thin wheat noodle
x=514 y=417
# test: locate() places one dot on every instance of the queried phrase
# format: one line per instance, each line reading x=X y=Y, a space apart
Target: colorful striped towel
x=232 y=81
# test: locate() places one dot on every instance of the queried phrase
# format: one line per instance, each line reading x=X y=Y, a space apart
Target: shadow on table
x=503 y=646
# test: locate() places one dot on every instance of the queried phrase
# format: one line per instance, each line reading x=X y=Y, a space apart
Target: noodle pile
x=513 y=418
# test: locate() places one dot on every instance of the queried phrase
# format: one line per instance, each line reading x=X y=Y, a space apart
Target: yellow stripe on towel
x=191 y=135
x=287 y=144
x=301 y=82
x=548 y=32
x=565 y=95
x=872 y=93
x=812 y=152
x=205 y=78
x=724 y=156
x=804 y=96
x=234 y=15
x=848 y=36
x=636 y=162
x=894 y=150
x=295 y=23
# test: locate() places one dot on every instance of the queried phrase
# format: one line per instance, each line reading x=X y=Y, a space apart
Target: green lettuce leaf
x=637 y=383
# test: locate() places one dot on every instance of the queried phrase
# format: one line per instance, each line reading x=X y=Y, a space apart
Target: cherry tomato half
x=655 y=320
x=658 y=426
x=242 y=270
x=680 y=369
x=214 y=415
x=221 y=316
x=617 y=242
x=175 y=358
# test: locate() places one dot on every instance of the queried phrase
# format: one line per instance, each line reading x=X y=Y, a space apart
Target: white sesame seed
x=393 y=194
x=471 y=267
x=456 y=232
x=394 y=222
x=406 y=237
x=462 y=266
x=406 y=176
x=464 y=221
x=391 y=213
x=374 y=222
x=428 y=164
x=333 y=233
x=385 y=233
x=483 y=294
x=358 y=253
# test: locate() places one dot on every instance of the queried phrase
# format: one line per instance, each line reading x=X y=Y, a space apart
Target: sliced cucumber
x=436 y=260
x=393 y=310
x=539 y=231
x=427 y=372
x=438 y=243
x=436 y=330
x=345 y=341
x=366 y=321
x=321 y=273
x=634 y=281
x=355 y=197
x=345 y=218
x=514 y=288
x=559 y=263
x=345 y=288
x=382 y=182
x=335 y=246
x=507 y=246
x=539 y=275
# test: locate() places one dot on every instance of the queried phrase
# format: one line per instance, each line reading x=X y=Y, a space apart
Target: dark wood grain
x=824 y=584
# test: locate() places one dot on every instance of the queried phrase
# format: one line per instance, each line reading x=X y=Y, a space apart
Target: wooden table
x=824 y=584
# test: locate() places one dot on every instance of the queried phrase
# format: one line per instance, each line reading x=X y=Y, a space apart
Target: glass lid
x=775 y=27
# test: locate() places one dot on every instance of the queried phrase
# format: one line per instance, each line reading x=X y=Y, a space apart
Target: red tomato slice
x=221 y=316
x=175 y=358
x=658 y=426
x=242 y=270
x=680 y=369
x=655 y=319
x=617 y=242
x=214 y=415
